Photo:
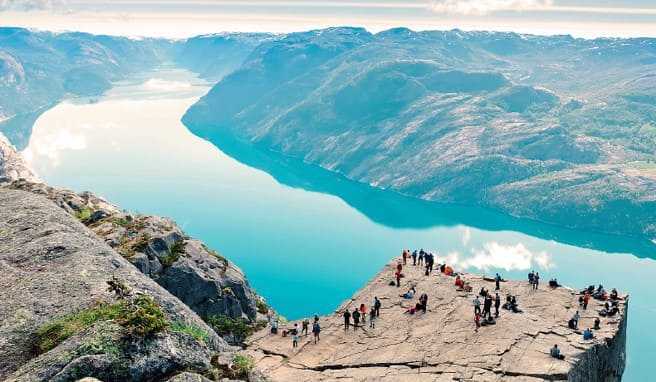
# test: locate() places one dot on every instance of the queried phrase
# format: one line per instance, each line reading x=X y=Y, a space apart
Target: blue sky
x=182 y=18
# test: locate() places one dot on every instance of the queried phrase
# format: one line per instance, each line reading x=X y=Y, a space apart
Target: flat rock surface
x=442 y=344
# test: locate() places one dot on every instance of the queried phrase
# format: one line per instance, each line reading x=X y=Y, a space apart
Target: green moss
x=177 y=250
x=224 y=325
x=192 y=330
x=242 y=365
x=55 y=332
x=84 y=214
x=141 y=316
x=101 y=344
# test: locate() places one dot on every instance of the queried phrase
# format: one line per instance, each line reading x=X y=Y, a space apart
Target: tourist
x=274 y=326
x=553 y=283
x=363 y=313
x=477 y=320
x=613 y=294
x=405 y=256
x=356 y=318
x=555 y=353
x=316 y=318
x=530 y=277
x=574 y=321
x=497 y=280
x=377 y=305
x=497 y=303
x=347 y=319
x=536 y=281
x=397 y=275
x=487 y=306
x=597 y=323
x=414 y=257
x=316 y=329
x=306 y=326
x=423 y=301
x=372 y=318
x=587 y=334
x=295 y=336
x=460 y=284
x=477 y=305
x=421 y=257
x=410 y=294
x=483 y=292
x=586 y=300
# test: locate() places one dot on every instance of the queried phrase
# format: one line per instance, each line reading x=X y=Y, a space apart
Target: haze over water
x=307 y=251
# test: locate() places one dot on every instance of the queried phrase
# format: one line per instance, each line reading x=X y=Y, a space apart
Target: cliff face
x=54 y=319
x=442 y=344
x=12 y=166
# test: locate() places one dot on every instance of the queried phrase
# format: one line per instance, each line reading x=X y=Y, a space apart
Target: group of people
x=534 y=280
x=359 y=315
x=295 y=333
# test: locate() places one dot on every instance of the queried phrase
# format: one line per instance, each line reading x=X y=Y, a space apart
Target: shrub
x=224 y=325
x=242 y=365
x=192 y=330
x=143 y=316
x=261 y=307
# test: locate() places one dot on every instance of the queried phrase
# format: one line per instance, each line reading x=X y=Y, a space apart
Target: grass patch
x=192 y=330
x=242 y=366
x=141 y=316
x=237 y=327
x=55 y=332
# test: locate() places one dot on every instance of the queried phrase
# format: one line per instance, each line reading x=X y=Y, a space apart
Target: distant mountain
x=555 y=129
x=38 y=69
x=216 y=55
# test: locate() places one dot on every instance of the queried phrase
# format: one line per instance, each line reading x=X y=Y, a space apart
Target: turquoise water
x=306 y=238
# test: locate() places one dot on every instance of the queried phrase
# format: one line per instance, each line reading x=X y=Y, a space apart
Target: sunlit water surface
x=305 y=251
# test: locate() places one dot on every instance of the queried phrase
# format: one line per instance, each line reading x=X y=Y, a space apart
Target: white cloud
x=30 y=5
x=495 y=255
x=482 y=7
x=466 y=236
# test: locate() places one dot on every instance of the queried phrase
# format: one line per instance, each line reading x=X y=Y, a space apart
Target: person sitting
x=574 y=321
x=423 y=302
x=597 y=323
x=488 y=321
x=460 y=284
x=553 y=283
x=555 y=353
x=600 y=293
x=467 y=288
x=410 y=294
x=448 y=270
x=443 y=268
x=613 y=294
x=587 y=334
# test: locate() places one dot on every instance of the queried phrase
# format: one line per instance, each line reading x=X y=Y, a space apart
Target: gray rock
x=188 y=377
x=53 y=265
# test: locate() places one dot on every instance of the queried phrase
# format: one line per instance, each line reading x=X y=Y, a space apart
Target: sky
x=184 y=18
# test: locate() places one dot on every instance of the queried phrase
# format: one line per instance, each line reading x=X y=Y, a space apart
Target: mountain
x=38 y=69
x=216 y=55
x=555 y=129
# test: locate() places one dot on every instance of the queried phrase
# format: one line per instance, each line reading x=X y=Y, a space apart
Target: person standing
x=586 y=300
x=536 y=280
x=356 y=318
x=306 y=326
x=477 y=320
x=295 y=336
x=497 y=280
x=405 y=256
x=397 y=275
x=414 y=257
x=363 y=313
x=347 y=319
x=497 y=303
x=372 y=318
x=477 y=306
x=377 y=305
x=487 y=307
x=316 y=329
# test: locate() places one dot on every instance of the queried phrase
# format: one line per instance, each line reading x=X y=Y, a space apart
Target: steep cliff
x=443 y=345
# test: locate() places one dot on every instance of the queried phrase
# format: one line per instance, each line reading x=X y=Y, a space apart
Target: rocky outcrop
x=12 y=166
x=200 y=277
x=59 y=321
x=442 y=344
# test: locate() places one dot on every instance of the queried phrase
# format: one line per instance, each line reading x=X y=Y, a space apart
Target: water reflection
x=494 y=255
x=398 y=211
